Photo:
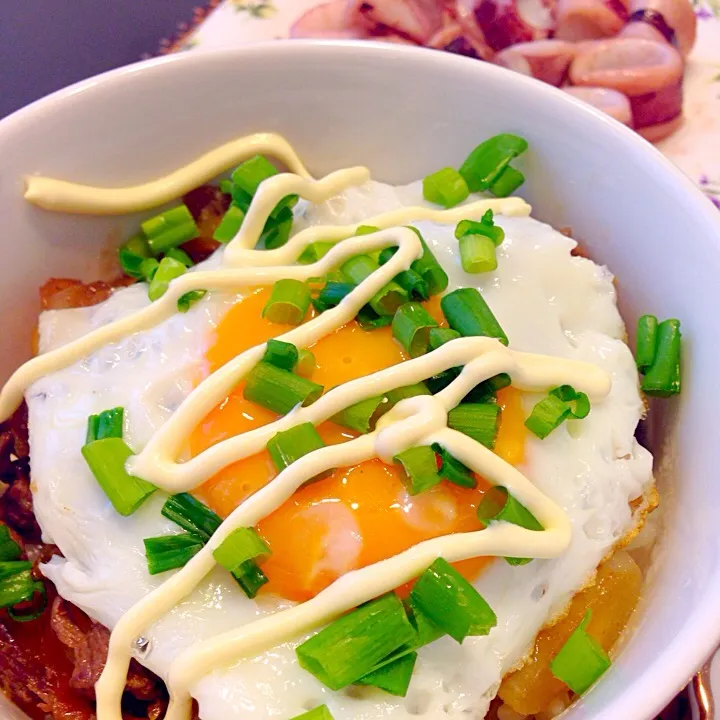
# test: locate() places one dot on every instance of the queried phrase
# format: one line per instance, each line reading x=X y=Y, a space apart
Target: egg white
x=546 y=300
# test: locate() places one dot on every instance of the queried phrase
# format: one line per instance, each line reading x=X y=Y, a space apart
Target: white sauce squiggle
x=415 y=421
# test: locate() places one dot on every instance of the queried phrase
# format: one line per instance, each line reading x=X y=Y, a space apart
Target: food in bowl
x=340 y=449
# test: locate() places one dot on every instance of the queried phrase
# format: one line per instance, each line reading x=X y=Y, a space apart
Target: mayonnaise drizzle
x=420 y=420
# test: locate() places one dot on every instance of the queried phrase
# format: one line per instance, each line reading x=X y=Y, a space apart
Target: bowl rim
x=699 y=636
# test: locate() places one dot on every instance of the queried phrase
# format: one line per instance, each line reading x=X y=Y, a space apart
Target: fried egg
x=547 y=300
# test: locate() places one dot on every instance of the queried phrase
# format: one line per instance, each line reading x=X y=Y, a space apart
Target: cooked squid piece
x=672 y=21
x=546 y=60
x=325 y=21
x=579 y=20
x=453 y=38
x=508 y=22
x=649 y=73
x=417 y=20
x=611 y=102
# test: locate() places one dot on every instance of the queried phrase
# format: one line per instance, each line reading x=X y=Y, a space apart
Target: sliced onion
x=611 y=102
x=590 y=19
x=546 y=60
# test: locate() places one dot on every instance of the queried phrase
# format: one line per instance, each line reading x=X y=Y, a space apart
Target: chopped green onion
x=421 y=471
x=485 y=391
x=281 y=354
x=507 y=182
x=32 y=613
x=386 y=254
x=306 y=363
x=393 y=678
x=361 y=416
x=369 y=320
x=277 y=230
x=429 y=268
x=662 y=378
x=446 y=187
x=319 y=713
x=560 y=404
x=479 y=421
x=439 y=336
x=148 y=268
x=290 y=445
x=168 y=552
x=107 y=424
x=577 y=401
x=249 y=577
x=366 y=230
x=389 y=298
x=288 y=303
x=17 y=584
x=353 y=645
x=315 y=251
x=486 y=163
x=439 y=382
x=581 y=660
x=168 y=270
x=646 y=343
x=241 y=545
x=186 y=301
x=191 y=515
x=132 y=254
x=9 y=549
x=181 y=256
x=225 y=186
x=411 y=281
x=169 y=229
x=395 y=395
x=279 y=390
x=477 y=254
x=411 y=328
x=468 y=313
x=248 y=176
x=230 y=224
x=106 y=459
x=452 y=470
x=332 y=295
x=485 y=227
x=452 y=603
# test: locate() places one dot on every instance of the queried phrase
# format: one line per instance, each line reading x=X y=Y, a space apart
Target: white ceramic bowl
x=405 y=112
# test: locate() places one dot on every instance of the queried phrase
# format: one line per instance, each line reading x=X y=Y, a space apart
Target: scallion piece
x=507 y=182
x=281 y=354
x=361 y=416
x=386 y=254
x=411 y=327
x=288 y=303
x=468 y=313
x=446 y=187
x=148 y=268
x=279 y=390
x=169 y=229
x=411 y=281
x=389 y=298
x=439 y=336
x=479 y=421
x=577 y=402
x=662 y=378
x=191 y=515
x=9 y=549
x=439 y=382
x=230 y=224
x=452 y=603
x=581 y=660
x=393 y=678
x=353 y=645
x=106 y=424
x=277 y=230
x=17 y=583
x=306 y=363
x=486 y=391
x=646 y=342
x=560 y=404
x=332 y=295
x=477 y=254
x=315 y=251
x=132 y=254
x=168 y=552
x=366 y=230
x=421 y=471
x=485 y=227
x=248 y=176
x=319 y=713
x=181 y=256
x=429 y=268
x=241 y=545
x=225 y=186
x=249 y=577
x=452 y=470
x=30 y=614
x=290 y=445
x=167 y=271
x=186 y=301
x=486 y=163
x=395 y=395
x=106 y=459
x=369 y=320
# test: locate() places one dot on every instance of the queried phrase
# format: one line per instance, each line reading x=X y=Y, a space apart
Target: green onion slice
x=446 y=187
x=439 y=336
x=288 y=303
x=281 y=354
x=361 y=416
x=17 y=585
x=507 y=182
x=486 y=391
x=393 y=678
x=9 y=549
x=468 y=313
x=395 y=395
x=389 y=298
x=578 y=402
x=225 y=186
x=662 y=378
x=279 y=390
x=486 y=163
x=181 y=256
x=306 y=363
x=369 y=320
x=290 y=445
x=107 y=424
x=366 y=230
x=332 y=295
x=429 y=268
x=452 y=603
x=319 y=713
x=148 y=268
x=560 y=404
x=191 y=515
x=315 y=251
x=276 y=231
x=646 y=343
x=132 y=254
x=249 y=577
x=169 y=229
x=581 y=660
x=411 y=327
x=477 y=254
x=248 y=176
x=480 y=421
x=106 y=459
x=186 y=301
x=241 y=545
x=421 y=471
x=168 y=552
x=485 y=227
x=439 y=382
x=452 y=469
x=230 y=225
x=166 y=272
x=353 y=645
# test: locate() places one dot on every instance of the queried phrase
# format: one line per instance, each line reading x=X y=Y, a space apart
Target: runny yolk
x=351 y=517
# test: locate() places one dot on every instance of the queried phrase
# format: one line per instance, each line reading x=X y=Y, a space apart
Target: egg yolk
x=353 y=516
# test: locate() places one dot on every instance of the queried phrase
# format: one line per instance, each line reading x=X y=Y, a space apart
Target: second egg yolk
x=354 y=516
